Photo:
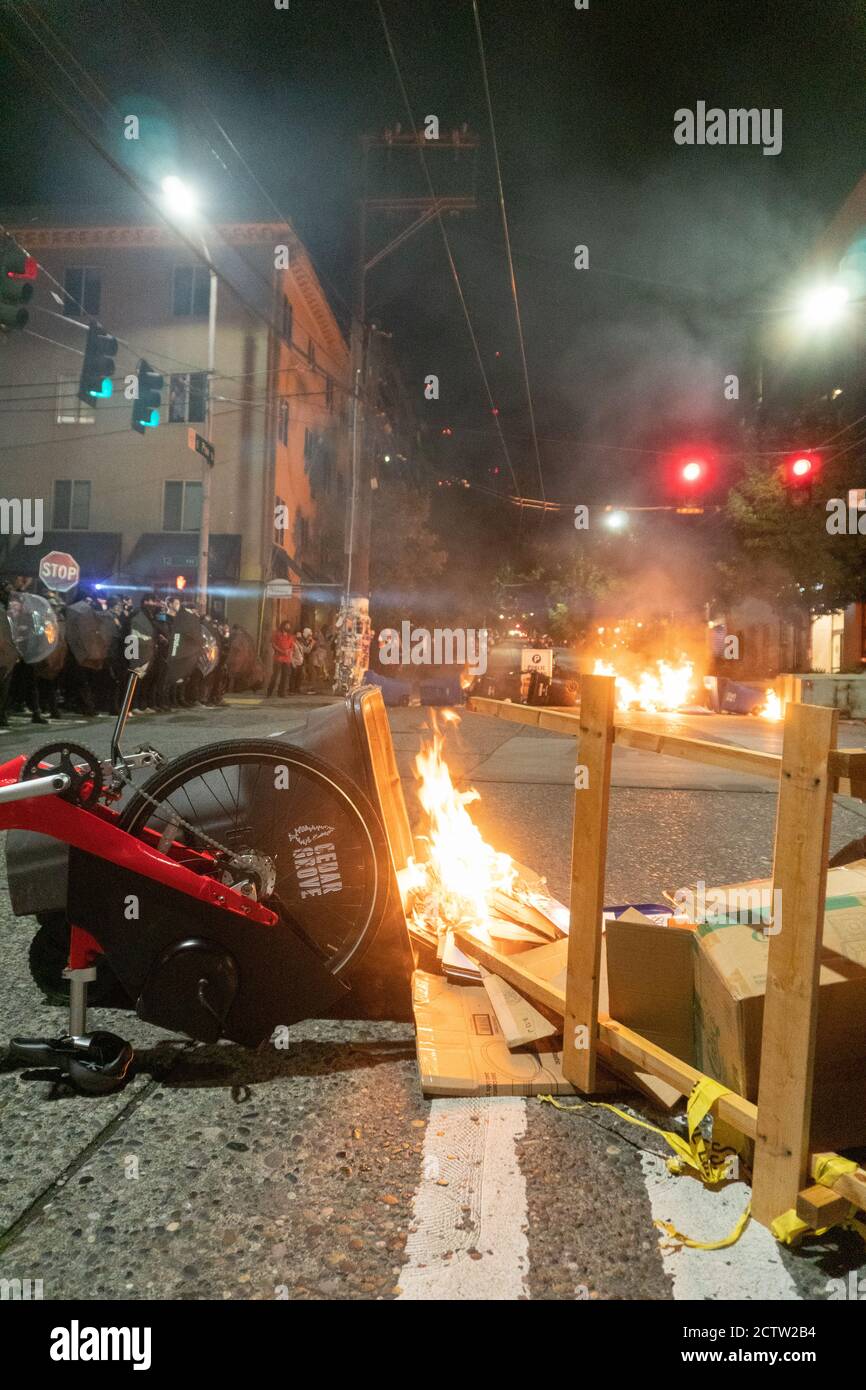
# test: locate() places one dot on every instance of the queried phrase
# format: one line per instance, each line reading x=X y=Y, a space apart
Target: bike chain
x=178 y=819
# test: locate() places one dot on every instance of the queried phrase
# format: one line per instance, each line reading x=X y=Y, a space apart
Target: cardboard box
x=461 y=1050
x=650 y=984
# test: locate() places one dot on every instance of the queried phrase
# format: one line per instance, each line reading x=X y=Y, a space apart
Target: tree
x=785 y=548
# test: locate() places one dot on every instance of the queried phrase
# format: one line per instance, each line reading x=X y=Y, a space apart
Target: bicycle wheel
x=304 y=833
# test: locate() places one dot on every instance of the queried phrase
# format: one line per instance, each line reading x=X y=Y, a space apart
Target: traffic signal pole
x=354 y=619
x=204 y=524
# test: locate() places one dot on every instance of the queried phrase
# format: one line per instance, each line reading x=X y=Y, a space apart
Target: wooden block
x=588 y=859
x=820 y=1206
x=791 y=1000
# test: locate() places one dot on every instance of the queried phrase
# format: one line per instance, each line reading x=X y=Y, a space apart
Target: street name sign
x=200 y=445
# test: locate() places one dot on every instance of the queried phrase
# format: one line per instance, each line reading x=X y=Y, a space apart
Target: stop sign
x=59 y=571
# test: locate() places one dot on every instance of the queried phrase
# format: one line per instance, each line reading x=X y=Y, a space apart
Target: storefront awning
x=159 y=556
x=97 y=553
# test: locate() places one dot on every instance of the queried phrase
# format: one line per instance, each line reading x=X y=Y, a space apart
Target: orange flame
x=666 y=688
x=457 y=880
x=772 y=708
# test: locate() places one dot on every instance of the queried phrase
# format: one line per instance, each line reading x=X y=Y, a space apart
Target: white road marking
x=468 y=1237
x=750 y=1269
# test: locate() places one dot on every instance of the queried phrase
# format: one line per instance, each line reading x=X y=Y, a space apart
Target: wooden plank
x=535 y=716
x=820 y=1206
x=588 y=859
x=851 y=1186
x=847 y=765
x=697 y=750
x=383 y=765
x=510 y=969
x=615 y=1041
x=791 y=999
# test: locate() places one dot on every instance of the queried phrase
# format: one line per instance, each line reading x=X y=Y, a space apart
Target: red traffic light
x=801 y=468
x=693 y=471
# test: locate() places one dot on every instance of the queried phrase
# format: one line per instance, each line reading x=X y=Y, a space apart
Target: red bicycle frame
x=95 y=830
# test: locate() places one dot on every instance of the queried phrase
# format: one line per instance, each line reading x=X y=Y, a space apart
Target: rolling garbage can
x=441 y=690
x=394 y=692
x=741 y=699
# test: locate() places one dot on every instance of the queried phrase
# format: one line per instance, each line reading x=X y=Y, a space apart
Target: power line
x=511 y=275
x=152 y=202
x=231 y=144
x=447 y=244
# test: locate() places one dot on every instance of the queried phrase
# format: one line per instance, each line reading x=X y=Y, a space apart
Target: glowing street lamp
x=179 y=197
x=824 y=305
x=616 y=520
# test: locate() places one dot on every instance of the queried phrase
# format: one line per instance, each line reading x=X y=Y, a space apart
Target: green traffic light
x=105 y=390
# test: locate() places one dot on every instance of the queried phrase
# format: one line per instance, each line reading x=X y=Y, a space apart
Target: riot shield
x=210 y=648
x=33 y=626
x=140 y=645
x=90 y=633
x=185 y=644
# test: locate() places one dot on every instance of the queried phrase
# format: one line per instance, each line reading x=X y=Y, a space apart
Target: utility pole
x=354 y=619
x=207 y=466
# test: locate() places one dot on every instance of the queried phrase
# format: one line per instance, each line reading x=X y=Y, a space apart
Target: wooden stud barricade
x=588 y=860
x=809 y=771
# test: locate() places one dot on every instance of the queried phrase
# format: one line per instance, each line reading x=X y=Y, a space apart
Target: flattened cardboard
x=651 y=982
x=461 y=1050
x=520 y=1021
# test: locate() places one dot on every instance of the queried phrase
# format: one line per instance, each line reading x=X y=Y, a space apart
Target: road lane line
x=468 y=1235
x=750 y=1269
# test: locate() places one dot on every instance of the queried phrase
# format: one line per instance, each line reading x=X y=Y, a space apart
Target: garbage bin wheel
x=47 y=957
x=311 y=834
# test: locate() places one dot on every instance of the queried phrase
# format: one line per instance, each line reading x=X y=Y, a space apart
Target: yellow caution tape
x=789 y=1228
x=708 y=1160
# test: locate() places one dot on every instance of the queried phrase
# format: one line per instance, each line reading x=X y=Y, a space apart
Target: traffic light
x=145 y=407
x=17 y=274
x=98 y=367
x=693 y=472
x=799 y=472
x=801 y=468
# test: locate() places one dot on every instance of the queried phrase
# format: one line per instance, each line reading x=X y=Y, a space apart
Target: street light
x=182 y=202
x=617 y=521
x=179 y=197
x=824 y=305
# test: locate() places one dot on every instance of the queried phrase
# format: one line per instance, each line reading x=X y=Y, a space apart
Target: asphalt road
x=319 y=1171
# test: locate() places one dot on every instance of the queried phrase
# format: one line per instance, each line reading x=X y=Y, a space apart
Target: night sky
x=687 y=246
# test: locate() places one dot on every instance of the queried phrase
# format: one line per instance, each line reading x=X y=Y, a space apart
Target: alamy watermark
x=438 y=646
x=737 y=126
x=22 y=516
x=755 y=906
x=847 y=518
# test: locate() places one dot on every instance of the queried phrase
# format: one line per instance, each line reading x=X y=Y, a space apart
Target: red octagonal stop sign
x=59 y=571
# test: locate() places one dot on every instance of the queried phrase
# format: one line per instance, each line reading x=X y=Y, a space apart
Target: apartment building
x=127 y=506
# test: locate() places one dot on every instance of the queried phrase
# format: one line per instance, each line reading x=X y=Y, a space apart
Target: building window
x=284 y=421
x=288 y=319
x=70 y=410
x=187 y=398
x=191 y=291
x=280 y=515
x=71 y=511
x=329 y=392
x=302 y=532
x=181 y=507
x=82 y=291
